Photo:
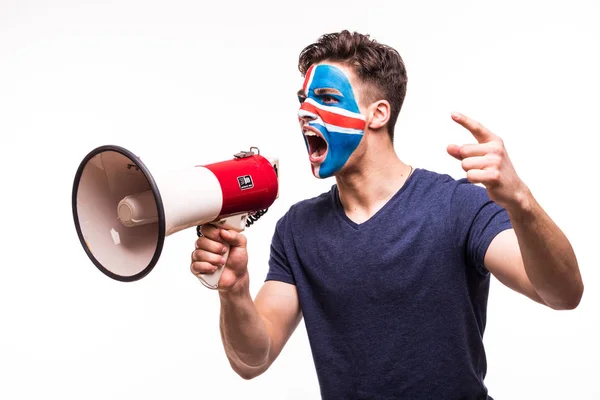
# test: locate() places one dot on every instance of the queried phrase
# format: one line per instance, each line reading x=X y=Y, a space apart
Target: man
x=391 y=268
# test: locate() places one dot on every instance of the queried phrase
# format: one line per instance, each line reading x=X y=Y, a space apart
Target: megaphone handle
x=237 y=223
x=211 y=281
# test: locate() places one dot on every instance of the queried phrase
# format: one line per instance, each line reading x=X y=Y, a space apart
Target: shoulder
x=430 y=183
x=427 y=179
x=442 y=190
x=322 y=201
x=306 y=210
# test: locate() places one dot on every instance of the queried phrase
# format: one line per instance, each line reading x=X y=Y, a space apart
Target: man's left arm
x=534 y=258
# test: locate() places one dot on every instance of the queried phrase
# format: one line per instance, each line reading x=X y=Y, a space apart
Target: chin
x=318 y=169
x=315 y=171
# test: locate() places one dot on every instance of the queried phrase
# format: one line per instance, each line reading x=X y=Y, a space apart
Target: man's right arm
x=253 y=332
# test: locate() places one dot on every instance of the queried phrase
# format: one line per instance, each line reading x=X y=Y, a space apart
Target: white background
x=185 y=82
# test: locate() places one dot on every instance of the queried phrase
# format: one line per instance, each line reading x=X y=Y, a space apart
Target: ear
x=379 y=112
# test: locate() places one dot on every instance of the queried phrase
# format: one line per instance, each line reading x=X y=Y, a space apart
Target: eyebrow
x=322 y=91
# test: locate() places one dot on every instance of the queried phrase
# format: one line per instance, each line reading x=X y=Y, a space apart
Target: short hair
x=379 y=68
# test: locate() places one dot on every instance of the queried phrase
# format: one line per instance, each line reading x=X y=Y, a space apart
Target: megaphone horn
x=122 y=217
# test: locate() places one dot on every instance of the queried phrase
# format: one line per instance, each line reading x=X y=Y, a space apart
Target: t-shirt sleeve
x=477 y=221
x=279 y=266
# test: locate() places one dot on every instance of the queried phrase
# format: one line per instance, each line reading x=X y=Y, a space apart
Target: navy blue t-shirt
x=395 y=307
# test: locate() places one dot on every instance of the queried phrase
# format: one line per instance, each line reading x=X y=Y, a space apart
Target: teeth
x=315 y=154
x=309 y=133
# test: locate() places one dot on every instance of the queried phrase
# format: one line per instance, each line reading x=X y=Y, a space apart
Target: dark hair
x=379 y=67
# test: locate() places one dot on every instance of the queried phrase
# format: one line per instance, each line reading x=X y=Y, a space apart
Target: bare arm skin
x=534 y=258
x=253 y=332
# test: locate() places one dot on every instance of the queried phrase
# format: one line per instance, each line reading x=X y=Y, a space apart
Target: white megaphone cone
x=123 y=214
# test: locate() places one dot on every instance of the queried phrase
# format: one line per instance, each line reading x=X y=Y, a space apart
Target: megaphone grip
x=235 y=222
x=211 y=281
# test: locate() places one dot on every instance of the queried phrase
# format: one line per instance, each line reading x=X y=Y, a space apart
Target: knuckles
x=196 y=255
x=242 y=239
x=204 y=243
x=195 y=267
x=201 y=255
x=198 y=267
x=495 y=176
x=494 y=159
x=210 y=231
x=464 y=165
x=497 y=147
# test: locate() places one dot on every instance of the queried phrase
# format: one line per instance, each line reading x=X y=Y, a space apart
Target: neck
x=365 y=187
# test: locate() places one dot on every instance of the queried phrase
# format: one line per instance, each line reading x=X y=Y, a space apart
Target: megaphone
x=123 y=213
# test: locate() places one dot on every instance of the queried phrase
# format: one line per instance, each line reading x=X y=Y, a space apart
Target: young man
x=391 y=268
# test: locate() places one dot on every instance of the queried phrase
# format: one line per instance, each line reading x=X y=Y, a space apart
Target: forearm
x=548 y=257
x=244 y=333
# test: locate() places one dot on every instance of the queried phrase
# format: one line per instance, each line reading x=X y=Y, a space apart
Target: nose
x=306 y=115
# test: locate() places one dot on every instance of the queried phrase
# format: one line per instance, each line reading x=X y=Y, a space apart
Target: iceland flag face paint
x=331 y=121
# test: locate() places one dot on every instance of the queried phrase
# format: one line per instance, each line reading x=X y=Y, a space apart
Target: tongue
x=320 y=148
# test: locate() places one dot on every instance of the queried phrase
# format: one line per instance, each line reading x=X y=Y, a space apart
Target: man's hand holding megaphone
x=211 y=254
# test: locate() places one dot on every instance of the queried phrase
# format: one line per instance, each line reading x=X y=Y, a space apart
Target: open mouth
x=317 y=146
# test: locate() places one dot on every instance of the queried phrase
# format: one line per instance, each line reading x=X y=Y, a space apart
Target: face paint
x=330 y=119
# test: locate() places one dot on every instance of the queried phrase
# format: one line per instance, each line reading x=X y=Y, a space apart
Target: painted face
x=331 y=121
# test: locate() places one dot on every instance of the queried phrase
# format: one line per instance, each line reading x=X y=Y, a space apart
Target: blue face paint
x=331 y=112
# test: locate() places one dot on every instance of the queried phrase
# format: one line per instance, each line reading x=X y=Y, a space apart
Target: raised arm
x=535 y=258
x=253 y=332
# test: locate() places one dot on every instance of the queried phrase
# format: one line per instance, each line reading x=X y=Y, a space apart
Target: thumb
x=454 y=151
x=235 y=239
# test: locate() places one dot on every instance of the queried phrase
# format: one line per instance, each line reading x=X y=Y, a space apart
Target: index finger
x=480 y=132
x=211 y=232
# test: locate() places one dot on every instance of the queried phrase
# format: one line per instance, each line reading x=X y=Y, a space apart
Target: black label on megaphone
x=245 y=182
